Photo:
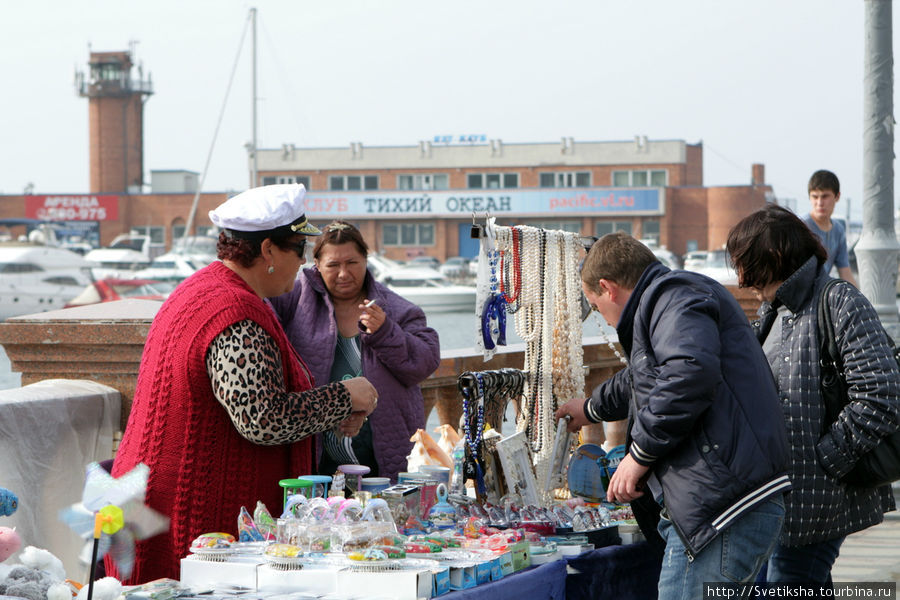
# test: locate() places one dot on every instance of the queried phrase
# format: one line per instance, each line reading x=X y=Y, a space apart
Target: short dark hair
x=823 y=180
x=770 y=245
x=340 y=232
x=245 y=251
x=617 y=257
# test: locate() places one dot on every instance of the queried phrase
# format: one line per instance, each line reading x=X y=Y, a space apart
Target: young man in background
x=824 y=192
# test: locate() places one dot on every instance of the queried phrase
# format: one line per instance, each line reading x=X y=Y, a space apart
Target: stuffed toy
x=107 y=588
x=10 y=542
x=8 y=502
x=39 y=572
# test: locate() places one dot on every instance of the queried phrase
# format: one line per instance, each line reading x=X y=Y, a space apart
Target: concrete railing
x=104 y=342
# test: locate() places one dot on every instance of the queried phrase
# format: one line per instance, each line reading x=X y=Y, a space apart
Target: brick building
x=421 y=199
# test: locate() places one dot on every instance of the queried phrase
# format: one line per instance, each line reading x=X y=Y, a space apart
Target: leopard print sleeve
x=244 y=367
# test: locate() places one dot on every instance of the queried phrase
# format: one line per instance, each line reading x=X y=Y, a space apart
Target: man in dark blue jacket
x=704 y=440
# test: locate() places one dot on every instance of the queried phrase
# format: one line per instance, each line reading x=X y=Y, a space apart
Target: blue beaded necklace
x=474 y=439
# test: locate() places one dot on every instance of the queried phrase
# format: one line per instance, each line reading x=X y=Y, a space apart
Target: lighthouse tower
x=116 y=122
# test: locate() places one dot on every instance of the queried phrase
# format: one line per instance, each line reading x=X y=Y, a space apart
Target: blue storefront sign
x=596 y=202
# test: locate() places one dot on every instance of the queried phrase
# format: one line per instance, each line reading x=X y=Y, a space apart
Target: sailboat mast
x=189 y=228
x=253 y=180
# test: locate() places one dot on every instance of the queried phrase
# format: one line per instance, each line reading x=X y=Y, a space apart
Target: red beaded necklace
x=517 y=269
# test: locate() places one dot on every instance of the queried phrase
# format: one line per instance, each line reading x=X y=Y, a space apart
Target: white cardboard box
x=316 y=580
x=401 y=585
x=203 y=574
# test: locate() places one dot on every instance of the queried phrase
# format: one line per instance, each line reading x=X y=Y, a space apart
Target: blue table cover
x=626 y=572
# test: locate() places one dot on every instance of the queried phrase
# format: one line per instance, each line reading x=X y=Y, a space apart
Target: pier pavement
x=872 y=554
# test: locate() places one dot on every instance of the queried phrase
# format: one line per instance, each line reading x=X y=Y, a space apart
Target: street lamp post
x=877 y=249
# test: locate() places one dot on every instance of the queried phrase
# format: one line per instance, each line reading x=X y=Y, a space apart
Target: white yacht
x=36 y=278
x=423 y=286
x=171 y=266
x=126 y=254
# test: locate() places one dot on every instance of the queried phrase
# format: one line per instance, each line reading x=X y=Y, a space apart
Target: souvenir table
x=614 y=572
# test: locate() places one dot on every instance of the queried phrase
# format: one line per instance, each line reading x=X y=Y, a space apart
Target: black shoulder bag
x=881 y=465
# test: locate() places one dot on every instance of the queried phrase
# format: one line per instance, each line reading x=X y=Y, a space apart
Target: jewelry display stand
x=530 y=276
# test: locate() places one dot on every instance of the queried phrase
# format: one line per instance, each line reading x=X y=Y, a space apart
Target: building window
x=565 y=179
x=650 y=229
x=436 y=181
x=280 y=179
x=604 y=227
x=407 y=234
x=353 y=182
x=570 y=226
x=492 y=181
x=641 y=178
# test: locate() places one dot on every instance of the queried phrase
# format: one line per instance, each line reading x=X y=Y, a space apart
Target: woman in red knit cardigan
x=224 y=407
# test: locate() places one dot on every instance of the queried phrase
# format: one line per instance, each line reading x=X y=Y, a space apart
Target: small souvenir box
x=403 y=501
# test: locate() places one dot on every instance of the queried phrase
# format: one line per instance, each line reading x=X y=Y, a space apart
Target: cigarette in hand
x=362 y=327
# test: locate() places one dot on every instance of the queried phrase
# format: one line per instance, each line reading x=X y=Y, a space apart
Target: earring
x=271 y=269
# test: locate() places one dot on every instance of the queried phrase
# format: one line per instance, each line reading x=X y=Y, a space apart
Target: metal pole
x=255 y=170
x=877 y=249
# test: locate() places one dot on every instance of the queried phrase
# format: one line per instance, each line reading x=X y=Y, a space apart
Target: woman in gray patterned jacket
x=780 y=259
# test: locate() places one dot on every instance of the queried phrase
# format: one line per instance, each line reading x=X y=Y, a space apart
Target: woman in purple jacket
x=345 y=324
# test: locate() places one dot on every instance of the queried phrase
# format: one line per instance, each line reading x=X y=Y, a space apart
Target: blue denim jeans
x=804 y=564
x=735 y=555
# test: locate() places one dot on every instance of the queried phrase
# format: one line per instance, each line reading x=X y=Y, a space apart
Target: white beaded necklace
x=604 y=323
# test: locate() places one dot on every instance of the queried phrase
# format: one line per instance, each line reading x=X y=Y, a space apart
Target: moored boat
x=36 y=278
x=423 y=286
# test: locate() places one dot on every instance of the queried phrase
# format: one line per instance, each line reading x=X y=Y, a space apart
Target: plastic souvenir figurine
x=264 y=521
x=392 y=551
x=216 y=546
x=248 y=530
x=442 y=515
x=217 y=540
x=470 y=530
x=422 y=547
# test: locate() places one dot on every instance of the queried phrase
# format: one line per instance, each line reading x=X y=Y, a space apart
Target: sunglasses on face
x=298 y=247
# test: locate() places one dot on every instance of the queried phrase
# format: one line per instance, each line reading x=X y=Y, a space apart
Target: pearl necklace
x=608 y=341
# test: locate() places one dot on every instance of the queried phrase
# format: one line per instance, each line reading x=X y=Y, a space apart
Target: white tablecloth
x=49 y=432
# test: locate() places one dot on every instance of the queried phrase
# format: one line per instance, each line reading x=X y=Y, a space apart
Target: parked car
x=717 y=265
x=424 y=261
x=110 y=289
x=695 y=258
x=456 y=267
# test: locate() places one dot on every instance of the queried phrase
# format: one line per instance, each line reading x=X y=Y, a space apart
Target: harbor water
x=8 y=379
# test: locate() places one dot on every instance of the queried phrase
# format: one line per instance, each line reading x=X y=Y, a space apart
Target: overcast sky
x=770 y=81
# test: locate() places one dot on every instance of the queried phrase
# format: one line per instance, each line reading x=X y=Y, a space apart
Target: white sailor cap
x=259 y=212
